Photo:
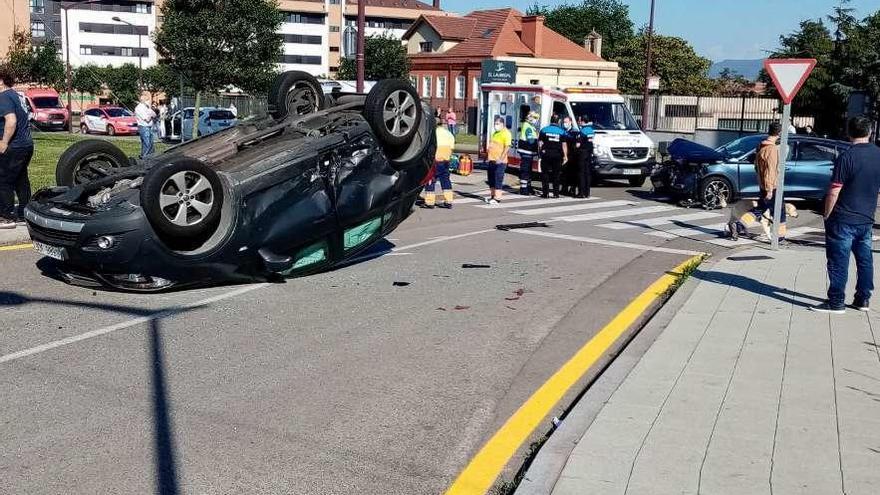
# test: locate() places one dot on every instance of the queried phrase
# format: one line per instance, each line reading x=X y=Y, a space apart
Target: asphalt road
x=341 y=382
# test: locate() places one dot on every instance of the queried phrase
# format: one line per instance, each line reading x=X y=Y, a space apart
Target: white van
x=622 y=150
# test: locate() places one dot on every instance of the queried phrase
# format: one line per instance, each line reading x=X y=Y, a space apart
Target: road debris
x=469 y=265
x=528 y=225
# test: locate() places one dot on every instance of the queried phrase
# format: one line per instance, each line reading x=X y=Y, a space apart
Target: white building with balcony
x=110 y=33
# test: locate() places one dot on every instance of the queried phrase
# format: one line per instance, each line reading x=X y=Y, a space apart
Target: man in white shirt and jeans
x=145 y=118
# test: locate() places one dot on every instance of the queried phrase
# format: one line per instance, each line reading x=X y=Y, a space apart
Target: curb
x=16 y=236
x=545 y=468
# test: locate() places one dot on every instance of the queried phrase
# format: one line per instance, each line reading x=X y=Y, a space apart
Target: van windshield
x=606 y=115
x=47 y=102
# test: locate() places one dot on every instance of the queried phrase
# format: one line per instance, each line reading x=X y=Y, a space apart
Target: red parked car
x=45 y=108
x=108 y=120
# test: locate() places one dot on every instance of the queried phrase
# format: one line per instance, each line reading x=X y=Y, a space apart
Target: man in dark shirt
x=16 y=150
x=849 y=218
x=554 y=151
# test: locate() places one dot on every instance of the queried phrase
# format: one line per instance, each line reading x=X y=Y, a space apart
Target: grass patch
x=48 y=147
x=682 y=277
x=466 y=139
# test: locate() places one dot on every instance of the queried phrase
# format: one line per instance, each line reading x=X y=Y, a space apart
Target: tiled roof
x=400 y=4
x=498 y=33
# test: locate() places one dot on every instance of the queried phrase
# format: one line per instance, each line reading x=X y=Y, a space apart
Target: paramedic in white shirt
x=145 y=118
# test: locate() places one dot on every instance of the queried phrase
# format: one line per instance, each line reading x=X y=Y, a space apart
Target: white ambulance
x=622 y=150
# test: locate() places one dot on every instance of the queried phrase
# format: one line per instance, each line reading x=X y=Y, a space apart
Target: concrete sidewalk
x=745 y=392
x=18 y=235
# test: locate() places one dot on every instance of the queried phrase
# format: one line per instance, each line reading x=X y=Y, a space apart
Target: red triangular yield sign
x=789 y=74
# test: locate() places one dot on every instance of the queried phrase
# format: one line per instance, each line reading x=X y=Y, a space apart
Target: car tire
x=87 y=160
x=713 y=188
x=84 y=129
x=295 y=93
x=111 y=131
x=394 y=110
x=637 y=181
x=182 y=199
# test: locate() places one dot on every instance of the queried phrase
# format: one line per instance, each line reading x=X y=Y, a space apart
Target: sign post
x=788 y=75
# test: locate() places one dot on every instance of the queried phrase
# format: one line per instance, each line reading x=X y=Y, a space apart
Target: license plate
x=58 y=253
x=632 y=171
x=57 y=122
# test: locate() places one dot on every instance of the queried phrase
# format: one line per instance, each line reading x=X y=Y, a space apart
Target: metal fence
x=687 y=114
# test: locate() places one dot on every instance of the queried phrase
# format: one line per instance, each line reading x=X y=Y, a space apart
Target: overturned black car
x=313 y=184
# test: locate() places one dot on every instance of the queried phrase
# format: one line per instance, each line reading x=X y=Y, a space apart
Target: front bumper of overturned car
x=115 y=248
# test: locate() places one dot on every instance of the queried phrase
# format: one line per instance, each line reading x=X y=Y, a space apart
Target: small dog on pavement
x=742 y=218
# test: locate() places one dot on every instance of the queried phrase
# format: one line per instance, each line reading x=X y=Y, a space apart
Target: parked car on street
x=729 y=171
x=211 y=120
x=108 y=120
x=45 y=108
x=304 y=189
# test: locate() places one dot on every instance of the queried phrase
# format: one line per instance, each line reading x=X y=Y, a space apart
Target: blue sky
x=718 y=29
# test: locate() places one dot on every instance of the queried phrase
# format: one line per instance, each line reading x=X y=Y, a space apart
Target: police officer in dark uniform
x=585 y=157
x=570 y=167
x=554 y=151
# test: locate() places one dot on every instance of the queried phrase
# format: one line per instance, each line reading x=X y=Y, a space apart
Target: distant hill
x=749 y=69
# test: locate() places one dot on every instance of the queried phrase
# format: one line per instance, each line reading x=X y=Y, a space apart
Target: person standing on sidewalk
x=16 y=151
x=145 y=118
x=554 y=152
x=445 y=145
x=499 y=145
x=849 y=219
x=452 y=121
x=767 y=168
x=527 y=147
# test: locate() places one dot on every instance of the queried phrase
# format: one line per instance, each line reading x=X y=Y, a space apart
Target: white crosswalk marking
x=512 y=197
x=690 y=231
x=536 y=202
x=656 y=222
x=602 y=215
x=582 y=206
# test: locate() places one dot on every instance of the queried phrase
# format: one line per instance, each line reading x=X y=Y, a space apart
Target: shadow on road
x=165 y=463
x=757 y=287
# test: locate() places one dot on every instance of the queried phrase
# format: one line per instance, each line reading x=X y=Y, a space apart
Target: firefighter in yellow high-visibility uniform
x=445 y=144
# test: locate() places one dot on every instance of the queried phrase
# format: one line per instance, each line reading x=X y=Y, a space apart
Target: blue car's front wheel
x=716 y=190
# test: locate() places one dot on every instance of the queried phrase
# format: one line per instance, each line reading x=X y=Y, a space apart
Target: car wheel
x=83 y=129
x=394 y=111
x=182 y=198
x=111 y=131
x=637 y=181
x=295 y=93
x=88 y=160
x=713 y=189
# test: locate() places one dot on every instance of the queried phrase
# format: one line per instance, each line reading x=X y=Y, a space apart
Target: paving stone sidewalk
x=745 y=392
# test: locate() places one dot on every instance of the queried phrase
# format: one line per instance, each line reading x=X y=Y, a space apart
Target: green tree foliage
x=87 y=79
x=384 y=58
x=20 y=57
x=610 y=18
x=215 y=43
x=123 y=84
x=731 y=84
x=47 y=69
x=681 y=70
x=160 y=78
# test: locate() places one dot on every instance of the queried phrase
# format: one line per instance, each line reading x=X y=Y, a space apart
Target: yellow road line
x=485 y=467
x=16 y=247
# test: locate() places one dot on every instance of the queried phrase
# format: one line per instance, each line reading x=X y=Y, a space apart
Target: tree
x=87 y=79
x=215 y=43
x=20 y=57
x=384 y=57
x=160 y=78
x=729 y=83
x=681 y=70
x=610 y=18
x=123 y=84
x=47 y=69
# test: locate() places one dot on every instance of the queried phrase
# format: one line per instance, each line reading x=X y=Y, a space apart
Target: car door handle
x=788 y=168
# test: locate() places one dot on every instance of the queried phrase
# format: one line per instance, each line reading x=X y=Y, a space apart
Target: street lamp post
x=69 y=82
x=140 y=52
x=649 y=40
x=359 y=58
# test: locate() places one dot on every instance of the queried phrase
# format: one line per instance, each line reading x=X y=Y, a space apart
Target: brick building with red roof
x=446 y=54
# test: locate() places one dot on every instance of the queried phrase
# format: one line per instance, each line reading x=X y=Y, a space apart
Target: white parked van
x=622 y=150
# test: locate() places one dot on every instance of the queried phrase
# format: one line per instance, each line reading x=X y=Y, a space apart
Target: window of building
x=95 y=27
x=334 y=29
x=459 y=87
x=142 y=8
x=441 y=87
x=426 y=46
x=85 y=50
x=113 y=51
x=380 y=22
x=303 y=18
x=426 y=86
x=38 y=30
x=126 y=52
x=334 y=48
x=476 y=88
x=334 y=2
x=414 y=81
x=302 y=39
x=301 y=59
x=38 y=6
